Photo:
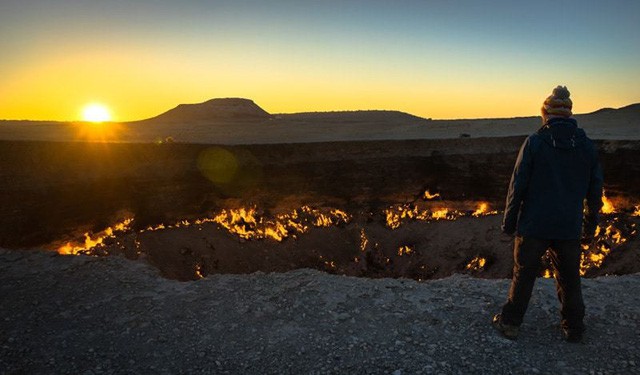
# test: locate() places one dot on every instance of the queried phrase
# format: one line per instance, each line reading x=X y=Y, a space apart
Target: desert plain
x=225 y=187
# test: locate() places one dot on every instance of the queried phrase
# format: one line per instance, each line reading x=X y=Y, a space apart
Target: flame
x=198 y=271
x=476 y=264
x=244 y=222
x=158 y=227
x=483 y=210
x=608 y=236
x=607 y=205
x=404 y=250
x=364 y=241
x=593 y=258
x=250 y=224
x=395 y=215
x=547 y=274
x=428 y=196
x=612 y=233
x=334 y=217
x=330 y=264
x=615 y=234
x=247 y=224
x=440 y=213
x=75 y=248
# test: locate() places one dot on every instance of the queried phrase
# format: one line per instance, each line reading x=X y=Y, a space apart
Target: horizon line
x=329 y=111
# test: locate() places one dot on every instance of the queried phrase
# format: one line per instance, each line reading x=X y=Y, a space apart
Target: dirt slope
x=83 y=315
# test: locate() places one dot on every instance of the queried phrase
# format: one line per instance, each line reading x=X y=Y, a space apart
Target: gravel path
x=85 y=315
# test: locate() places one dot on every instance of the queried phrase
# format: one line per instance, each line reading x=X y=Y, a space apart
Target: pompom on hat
x=557 y=104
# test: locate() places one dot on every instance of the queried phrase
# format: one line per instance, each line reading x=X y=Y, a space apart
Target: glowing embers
x=90 y=242
x=396 y=215
x=637 y=211
x=593 y=256
x=331 y=217
x=364 y=241
x=199 y=271
x=244 y=222
x=476 y=264
x=615 y=233
x=404 y=250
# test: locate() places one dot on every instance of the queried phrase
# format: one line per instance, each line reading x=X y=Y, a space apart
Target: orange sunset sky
x=439 y=59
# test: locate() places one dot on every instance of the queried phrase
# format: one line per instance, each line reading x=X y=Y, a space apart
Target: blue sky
x=441 y=59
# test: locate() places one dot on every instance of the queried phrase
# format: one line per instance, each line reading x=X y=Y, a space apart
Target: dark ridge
x=352 y=116
x=601 y=110
x=237 y=109
x=629 y=108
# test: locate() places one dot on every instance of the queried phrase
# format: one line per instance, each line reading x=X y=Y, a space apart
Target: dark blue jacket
x=556 y=170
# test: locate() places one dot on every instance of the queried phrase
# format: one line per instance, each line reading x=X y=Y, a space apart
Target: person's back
x=562 y=161
x=556 y=170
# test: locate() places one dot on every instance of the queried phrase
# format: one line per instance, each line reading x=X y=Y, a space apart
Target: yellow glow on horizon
x=96 y=112
x=53 y=91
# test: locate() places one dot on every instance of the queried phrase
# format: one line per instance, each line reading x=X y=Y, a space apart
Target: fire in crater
x=396 y=215
x=74 y=248
x=476 y=264
x=352 y=245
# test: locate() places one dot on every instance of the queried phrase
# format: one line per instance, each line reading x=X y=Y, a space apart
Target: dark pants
x=565 y=258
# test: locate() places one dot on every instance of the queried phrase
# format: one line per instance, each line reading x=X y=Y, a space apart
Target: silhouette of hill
x=240 y=109
x=237 y=109
x=353 y=116
x=631 y=108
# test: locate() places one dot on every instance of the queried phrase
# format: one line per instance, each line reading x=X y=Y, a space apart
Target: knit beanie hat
x=557 y=104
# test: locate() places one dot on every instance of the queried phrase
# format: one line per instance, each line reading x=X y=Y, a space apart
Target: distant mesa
x=353 y=116
x=227 y=109
x=245 y=110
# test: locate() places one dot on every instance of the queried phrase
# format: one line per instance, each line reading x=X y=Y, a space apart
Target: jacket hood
x=562 y=133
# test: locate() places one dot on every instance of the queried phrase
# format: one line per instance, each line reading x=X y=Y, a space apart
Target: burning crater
x=428 y=238
x=408 y=208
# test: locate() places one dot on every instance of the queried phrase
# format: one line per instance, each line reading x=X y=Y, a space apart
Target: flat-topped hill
x=214 y=109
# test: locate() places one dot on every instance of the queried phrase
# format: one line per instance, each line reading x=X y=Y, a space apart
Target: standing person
x=556 y=170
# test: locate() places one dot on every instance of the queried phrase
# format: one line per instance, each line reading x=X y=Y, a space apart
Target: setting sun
x=96 y=113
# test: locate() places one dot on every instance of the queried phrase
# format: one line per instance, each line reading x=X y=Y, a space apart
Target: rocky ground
x=109 y=315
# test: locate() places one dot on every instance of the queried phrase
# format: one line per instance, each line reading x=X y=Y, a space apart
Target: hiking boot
x=507 y=330
x=572 y=335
